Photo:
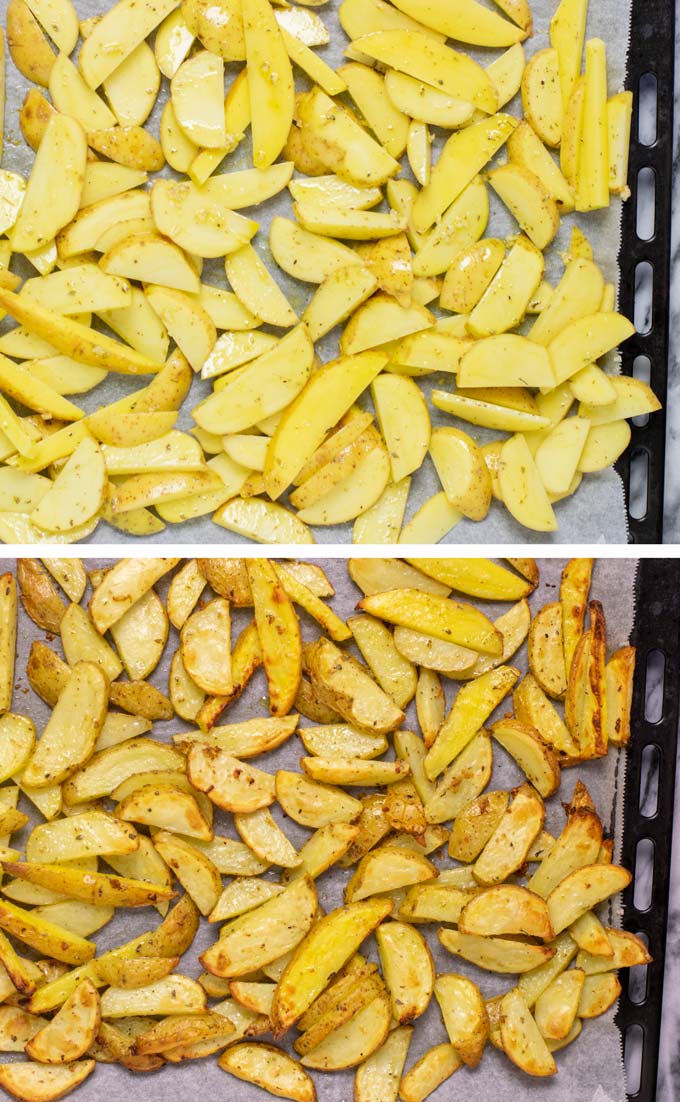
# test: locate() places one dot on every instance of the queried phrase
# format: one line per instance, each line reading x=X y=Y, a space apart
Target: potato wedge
x=535 y=759
x=280 y=924
x=270 y=1068
x=432 y=1069
x=352 y=1042
x=195 y=871
x=377 y=1079
x=472 y=707
x=17 y=739
x=114 y=765
x=347 y=687
x=205 y=642
x=397 y=399
x=408 y=969
x=230 y=783
x=71 y=1032
x=237 y=405
x=60 y=161
x=464 y=1014
x=598 y=993
x=387 y=868
x=279 y=633
x=168 y=807
x=72 y=730
x=464 y=779
x=521 y=1039
x=506 y=909
x=323 y=952
x=475 y=824
x=509 y=844
x=619 y=687
x=98 y=888
x=495 y=954
x=173 y=995
x=44 y=936
x=81 y=835
x=33 y=1082
x=582 y=889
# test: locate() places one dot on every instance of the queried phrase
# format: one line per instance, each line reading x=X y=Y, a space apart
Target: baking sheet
x=597 y=513
x=593 y=1063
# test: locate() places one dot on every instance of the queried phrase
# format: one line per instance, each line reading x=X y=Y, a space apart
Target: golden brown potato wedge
x=328 y=946
x=71 y=1032
x=546 y=651
x=464 y=1014
x=279 y=633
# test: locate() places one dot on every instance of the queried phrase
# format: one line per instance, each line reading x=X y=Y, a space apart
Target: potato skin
x=30 y=50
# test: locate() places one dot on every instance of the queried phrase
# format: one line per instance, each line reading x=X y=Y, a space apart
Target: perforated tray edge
x=651 y=50
x=657 y=628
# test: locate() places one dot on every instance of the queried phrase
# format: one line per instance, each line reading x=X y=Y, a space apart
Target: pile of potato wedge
x=151 y=251
x=128 y=818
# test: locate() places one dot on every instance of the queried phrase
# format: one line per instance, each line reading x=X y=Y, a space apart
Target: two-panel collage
x=338 y=714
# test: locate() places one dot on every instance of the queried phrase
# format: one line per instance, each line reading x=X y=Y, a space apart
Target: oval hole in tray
x=643 y=881
x=647 y=104
x=637 y=485
x=649 y=781
x=655 y=673
x=632 y=1056
x=645 y=203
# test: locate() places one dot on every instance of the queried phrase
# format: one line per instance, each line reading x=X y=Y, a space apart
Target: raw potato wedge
x=60 y=163
x=270 y=1068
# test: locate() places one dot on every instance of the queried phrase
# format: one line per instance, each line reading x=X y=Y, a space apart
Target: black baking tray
x=654 y=741
x=650 y=58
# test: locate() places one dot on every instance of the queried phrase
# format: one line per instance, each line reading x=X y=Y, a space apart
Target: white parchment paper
x=593 y=1062
x=596 y=514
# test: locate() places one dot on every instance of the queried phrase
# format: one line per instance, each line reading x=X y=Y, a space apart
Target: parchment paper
x=596 y=514
x=592 y=1062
